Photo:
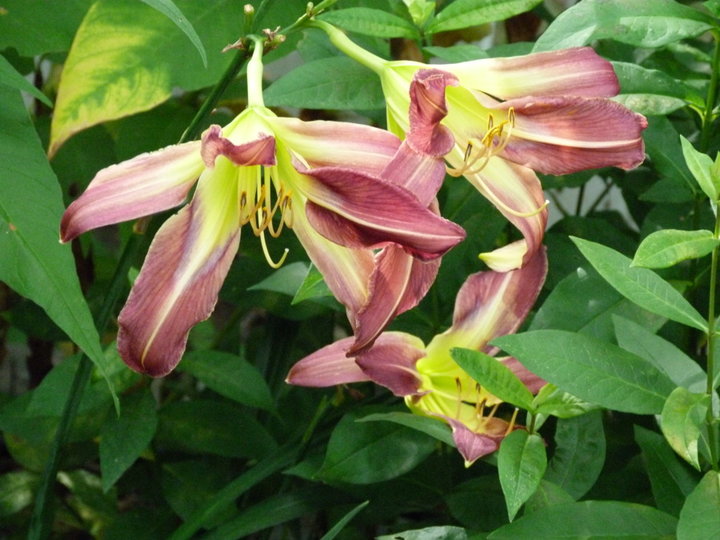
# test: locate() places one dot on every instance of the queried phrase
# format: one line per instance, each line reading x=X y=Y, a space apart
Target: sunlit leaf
x=700 y=517
x=682 y=418
x=701 y=166
x=371 y=22
x=171 y=11
x=521 y=465
x=466 y=13
x=668 y=247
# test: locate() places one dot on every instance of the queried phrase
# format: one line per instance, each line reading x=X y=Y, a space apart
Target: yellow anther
x=511 y=425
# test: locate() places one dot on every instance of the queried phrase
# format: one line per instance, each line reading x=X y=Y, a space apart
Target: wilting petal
x=138 y=187
x=568 y=134
x=472 y=446
x=356 y=210
x=327 y=367
x=183 y=272
x=398 y=283
x=528 y=378
x=491 y=304
x=260 y=151
x=427 y=110
x=574 y=72
x=322 y=143
x=391 y=362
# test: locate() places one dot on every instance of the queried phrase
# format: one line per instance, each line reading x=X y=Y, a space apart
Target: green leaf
x=313 y=287
x=430 y=426
x=371 y=22
x=593 y=370
x=682 y=419
x=285 y=280
x=666 y=155
x=28 y=27
x=494 y=376
x=340 y=525
x=547 y=494
x=428 y=533
x=17 y=489
x=230 y=376
x=649 y=91
x=467 y=13
x=33 y=262
x=643 y=23
x=668 y=247
x=127 y=57
x=171 y=11
x=420 y=10
x=700 y=166
x=521 y=466
x=579 y=453
x=700 y=517
x=550 y=400
x=10 y=77
x=462 y=52
x=679 y=367
x=328 y=83
x=670 y=479
x=590 y=519
x=642 y=286
x=369 y=452
x=123 y=438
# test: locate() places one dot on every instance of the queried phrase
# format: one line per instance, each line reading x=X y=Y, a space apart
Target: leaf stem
x=710 y=417
x=712 y=96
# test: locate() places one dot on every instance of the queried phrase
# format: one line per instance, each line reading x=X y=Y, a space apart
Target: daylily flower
x=488 y=305
x=547 y=112
x=334 y=184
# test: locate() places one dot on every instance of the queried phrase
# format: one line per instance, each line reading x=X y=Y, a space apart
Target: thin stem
x=710 y=417
x=254 y=74
x=579 y=203
x=712 y=96
x=596 y=203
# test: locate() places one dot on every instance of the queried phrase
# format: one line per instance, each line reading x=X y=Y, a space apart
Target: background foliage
x=223 y=448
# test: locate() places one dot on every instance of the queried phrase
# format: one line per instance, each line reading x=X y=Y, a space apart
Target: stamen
x=269 y=260
x=458 y=385
x=511 y=425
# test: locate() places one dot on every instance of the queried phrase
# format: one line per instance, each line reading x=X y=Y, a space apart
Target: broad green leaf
x=369 y=452
x=127 y=57
x=679 y=367
x=10 y=77
x=547 y=494
x=285 y=280
x=420 y=10
x=123 y=438
x=590 y=519
x=649 y=91
x=583 y=302
x=430 y=426
x=230 y=376
x=593 y=370
x=467 y=13
x=462 y=52
x=700 y=517
x=521 y=466
x=666 y=155
x=327 y=83
x=371 y=22
x=642 y=286
x=701 y=166
x=32 y=27
x=33 y=262
x=428 y=533
x=494 y=377
x=670 y=479
x=17 y=489
x=347 y=518
x=713 y=6
x=171 y=11
x=550 y=400
x=314 y=287
x=668 y=247
x=643 y=23
x=682 y=420
x=216 y=427
x=463 y=503
x=86 y=496
x=579 y=453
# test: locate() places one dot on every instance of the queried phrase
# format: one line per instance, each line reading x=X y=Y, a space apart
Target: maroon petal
x=391 y=362
x=328 y=366
x=261 y=151
x=427 y=110
x=528 y=378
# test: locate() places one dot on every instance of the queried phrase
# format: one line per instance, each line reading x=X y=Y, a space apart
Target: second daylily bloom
x=547 y=112
x=334 y=184
x=490 y=304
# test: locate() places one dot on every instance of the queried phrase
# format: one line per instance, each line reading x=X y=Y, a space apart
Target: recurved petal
x=427 y=110
x=492 y=304
x=182 y=274
x=327 y=367
x=398 y=283
x=144 y=185
x=260 y=151
x=568 y=134
x=356 y=210
x=391 y=362
x=420 y=174
x=471 y=445
x=574 y=72
x=322 y=143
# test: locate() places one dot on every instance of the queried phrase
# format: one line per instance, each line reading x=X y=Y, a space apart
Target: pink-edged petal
x=491 y=304
x=357 y=210
x=261 y=151
x=322 y=143
x=182 y=275
x=391 y=362
x=528 y=378
x=327 y=367
x=575 y=72
x=517 y=193
x=397 y=284
x=144 y=185
x=562 y=135
x=346 y=271
x=471 y=445
x=427 y=110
